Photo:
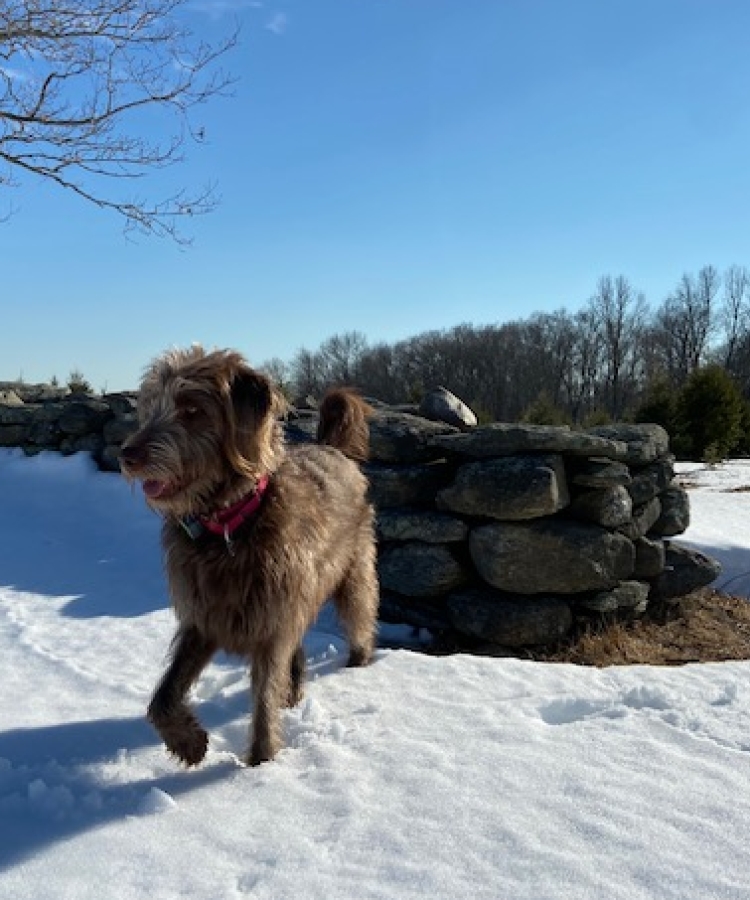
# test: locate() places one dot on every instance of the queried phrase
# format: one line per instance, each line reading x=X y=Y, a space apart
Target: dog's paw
x=189 y=748
x=260 y=752
x=295 y=696
x=359 y=656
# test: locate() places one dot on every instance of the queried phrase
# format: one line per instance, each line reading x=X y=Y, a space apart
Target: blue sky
x=396 y=166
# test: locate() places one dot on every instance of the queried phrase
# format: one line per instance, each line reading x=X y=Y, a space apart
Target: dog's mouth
x=159 y=490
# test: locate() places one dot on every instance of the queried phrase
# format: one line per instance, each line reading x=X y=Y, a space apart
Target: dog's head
x=208 y=427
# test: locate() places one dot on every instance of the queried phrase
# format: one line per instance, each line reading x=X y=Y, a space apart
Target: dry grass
x=705 y=626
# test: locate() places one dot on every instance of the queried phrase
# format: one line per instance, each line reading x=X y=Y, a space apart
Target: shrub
x=77 y=384
x=709 y=415
x=659 y=406
x=544 y=412
x=596 y=418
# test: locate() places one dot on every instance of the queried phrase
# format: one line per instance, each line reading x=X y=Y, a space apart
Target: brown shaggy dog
x=256 y=535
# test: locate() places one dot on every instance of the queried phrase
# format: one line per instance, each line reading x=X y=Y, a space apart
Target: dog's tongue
x=154 y=489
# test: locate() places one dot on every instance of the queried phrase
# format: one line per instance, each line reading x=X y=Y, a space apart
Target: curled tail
x=343 y=423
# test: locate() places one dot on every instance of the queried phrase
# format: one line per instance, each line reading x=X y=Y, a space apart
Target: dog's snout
x=134 y=456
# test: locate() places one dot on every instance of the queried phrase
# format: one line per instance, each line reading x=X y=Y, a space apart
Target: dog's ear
x=254 y=406
x=251 y=396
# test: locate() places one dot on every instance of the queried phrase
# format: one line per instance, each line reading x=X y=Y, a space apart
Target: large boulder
x=441 y=405
x=686 y=570
x=550 y=556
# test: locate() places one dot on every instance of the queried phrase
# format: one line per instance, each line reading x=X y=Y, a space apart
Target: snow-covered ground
x=415 y=778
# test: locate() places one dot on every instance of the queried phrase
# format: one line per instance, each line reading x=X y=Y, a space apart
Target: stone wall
x=498 y=537
x=508 y=535
x=39 y=417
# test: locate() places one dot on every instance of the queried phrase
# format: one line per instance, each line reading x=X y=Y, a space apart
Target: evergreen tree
x=710 y=412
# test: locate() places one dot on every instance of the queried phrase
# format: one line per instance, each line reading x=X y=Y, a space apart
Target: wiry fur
x=208 y=432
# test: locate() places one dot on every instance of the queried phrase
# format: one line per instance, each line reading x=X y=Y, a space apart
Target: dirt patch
x=705 y=626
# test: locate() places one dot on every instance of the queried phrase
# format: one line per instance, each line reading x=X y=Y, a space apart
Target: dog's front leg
x=168 y=712
x=271 y=687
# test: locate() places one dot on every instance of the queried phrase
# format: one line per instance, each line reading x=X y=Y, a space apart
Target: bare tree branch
x=76 y=78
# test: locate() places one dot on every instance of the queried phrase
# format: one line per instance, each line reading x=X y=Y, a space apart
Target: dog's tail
x=343 y=423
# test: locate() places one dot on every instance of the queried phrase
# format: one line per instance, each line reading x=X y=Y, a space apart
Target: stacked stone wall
x=509 y=535
x=502 y=536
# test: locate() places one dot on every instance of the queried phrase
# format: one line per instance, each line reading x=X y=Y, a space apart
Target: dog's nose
x=134 y=456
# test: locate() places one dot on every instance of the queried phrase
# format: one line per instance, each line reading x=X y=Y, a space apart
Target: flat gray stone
x=550 y=556
x=412 y=485
x=650 y=557
x=609 y=507
x=644 y=442
x=630 y=595
x=510 y=620
x=22 y=414
x=403 y=438
x=644 y=518
x=420 y=570
x=511 y=488
x=83 y=416
x=420 y=525
x=675 y=512
x=598 y=473
x=686 y=570
x=420 y=612
x=649 y=481
x=118 y=429
x=14 y=435
x=504 y=439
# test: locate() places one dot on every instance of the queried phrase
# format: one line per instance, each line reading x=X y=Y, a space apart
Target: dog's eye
x=188 y=411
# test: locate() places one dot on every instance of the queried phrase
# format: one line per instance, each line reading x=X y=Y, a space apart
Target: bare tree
x=77 y=78
x=377 y=375
x=735 y=312
x=278 y=371
x=686 y=321
x=341 y=354
x=307 y=373
x=619 y=313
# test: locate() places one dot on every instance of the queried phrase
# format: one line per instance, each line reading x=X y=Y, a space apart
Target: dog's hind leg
x=297 y=677
x=356 y=600
x=168 y=712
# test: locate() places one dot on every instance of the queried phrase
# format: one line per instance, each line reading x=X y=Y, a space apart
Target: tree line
x=611 y=360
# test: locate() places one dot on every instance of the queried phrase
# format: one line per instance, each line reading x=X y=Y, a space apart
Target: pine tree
x=710 y=412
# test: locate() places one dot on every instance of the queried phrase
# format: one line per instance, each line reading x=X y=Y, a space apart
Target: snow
x=417 y=777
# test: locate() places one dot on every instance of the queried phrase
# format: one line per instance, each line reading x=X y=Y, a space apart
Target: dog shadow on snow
x=60 y=781
x=52 y=787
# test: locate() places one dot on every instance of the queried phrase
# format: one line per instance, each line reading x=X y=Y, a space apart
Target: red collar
x=226 y=521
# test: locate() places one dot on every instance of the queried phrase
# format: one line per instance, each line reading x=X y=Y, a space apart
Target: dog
x=257 y=535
